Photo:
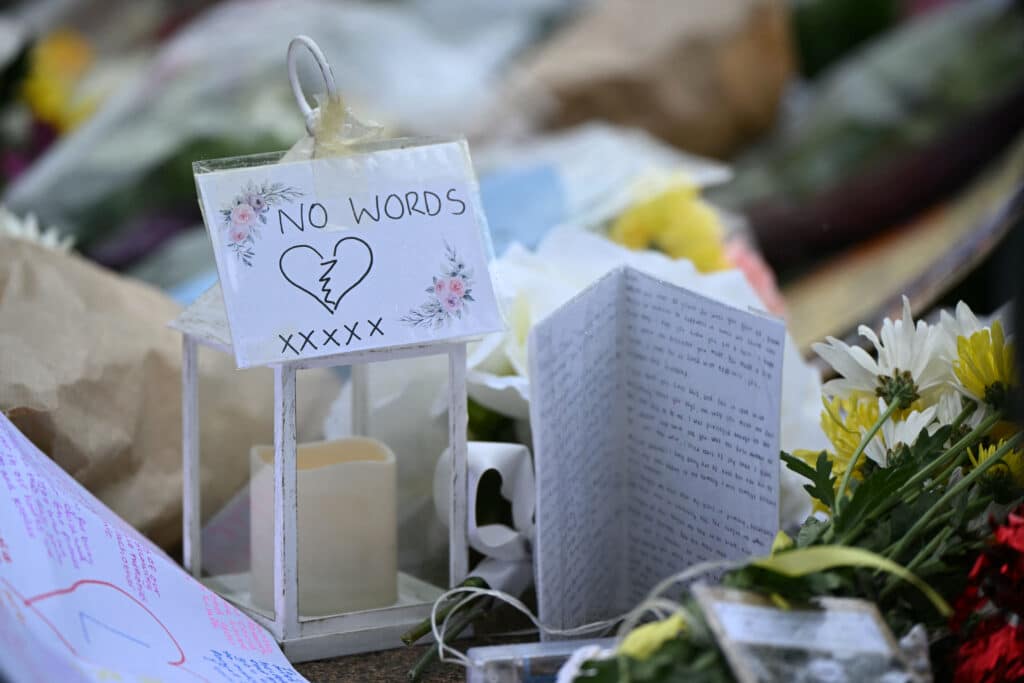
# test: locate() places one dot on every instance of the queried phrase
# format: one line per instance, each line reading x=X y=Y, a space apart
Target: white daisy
x=28 y=229
x=963 y=324
x=950 y=405
x=910 y=361
x=895 y=432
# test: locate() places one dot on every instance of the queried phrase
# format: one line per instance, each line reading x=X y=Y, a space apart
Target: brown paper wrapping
x=90 y=372
x=705 y=75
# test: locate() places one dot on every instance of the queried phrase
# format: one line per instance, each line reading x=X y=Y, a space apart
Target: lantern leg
x=191 y=553
x=286 y=585
x=458 y=419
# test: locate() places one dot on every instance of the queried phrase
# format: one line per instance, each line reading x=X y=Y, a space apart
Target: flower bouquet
x=917 y=505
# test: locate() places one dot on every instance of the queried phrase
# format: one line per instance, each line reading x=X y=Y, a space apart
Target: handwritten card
x=655 y=415
x=85 y=597
x=377 y=249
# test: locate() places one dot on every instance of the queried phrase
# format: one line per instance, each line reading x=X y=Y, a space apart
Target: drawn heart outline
x=324 y=296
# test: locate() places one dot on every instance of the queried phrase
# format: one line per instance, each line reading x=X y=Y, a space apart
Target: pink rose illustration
x=243 y=214
x=451 y=303
x=457 y=286
x=238 y=233
x=241 y=218
x=448 y=297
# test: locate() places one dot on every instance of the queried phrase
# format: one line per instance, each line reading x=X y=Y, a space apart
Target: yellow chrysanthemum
x=844 y=420
x=57 y=63
x=1012 y=463
x=677 y=222
x=642 y=642
x=984 y=365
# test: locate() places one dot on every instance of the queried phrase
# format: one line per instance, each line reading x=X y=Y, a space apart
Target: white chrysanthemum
x=895 y=432
x=908 y=354
x=28 y=229
x=951 y=404
x=963 y=324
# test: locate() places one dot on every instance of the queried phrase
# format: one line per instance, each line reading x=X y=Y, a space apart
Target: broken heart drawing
x=327 y=278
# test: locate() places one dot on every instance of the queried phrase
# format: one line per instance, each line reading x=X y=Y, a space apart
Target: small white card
x=373 y=250
x=843 y=640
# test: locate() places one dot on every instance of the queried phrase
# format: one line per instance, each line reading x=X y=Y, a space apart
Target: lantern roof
x=206 y=320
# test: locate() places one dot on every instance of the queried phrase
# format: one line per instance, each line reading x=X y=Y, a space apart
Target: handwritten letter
x=655 y=414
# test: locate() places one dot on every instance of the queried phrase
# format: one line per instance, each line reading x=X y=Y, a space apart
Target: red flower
x=969 y=602
x=1011 y=534
x=979 y=569
x=994 y=654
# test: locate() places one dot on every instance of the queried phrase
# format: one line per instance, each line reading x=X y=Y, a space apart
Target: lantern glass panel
x=369 y=535
x=230 y=476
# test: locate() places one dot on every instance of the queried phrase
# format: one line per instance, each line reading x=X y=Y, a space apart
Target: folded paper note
x=655 y=415
x=85 y=597
x=384 y=247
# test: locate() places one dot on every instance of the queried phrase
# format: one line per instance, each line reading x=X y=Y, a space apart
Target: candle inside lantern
x=347 y=527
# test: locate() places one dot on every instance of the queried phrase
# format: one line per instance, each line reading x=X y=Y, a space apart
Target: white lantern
x=307 y=637
x=396 y=271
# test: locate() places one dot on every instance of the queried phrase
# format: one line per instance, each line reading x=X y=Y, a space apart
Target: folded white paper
x=85 y=597
x=655 y=415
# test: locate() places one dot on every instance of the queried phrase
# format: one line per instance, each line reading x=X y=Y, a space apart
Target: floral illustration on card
x=248 y=211
x=450 y=294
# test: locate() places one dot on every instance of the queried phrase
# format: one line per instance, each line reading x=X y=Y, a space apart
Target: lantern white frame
x=306 y=638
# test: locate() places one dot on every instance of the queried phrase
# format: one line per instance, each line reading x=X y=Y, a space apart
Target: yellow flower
x=677 y=222
x=844 y=421
x=644 y=641
x=57 y=64
x=984 y=365
x=1012 y=463
x=782 y=542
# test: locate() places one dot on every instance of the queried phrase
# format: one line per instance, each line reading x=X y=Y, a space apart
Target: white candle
x=347 y=527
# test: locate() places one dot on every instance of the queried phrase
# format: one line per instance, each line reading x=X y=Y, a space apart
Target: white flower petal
x=856 y=368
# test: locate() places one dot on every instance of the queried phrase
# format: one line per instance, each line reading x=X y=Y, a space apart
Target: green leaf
x=871 y=493
x=927 y=446
x=811 y=531
x=822 y=486
x=878 y=536
x=679 y=659
x=797 y=465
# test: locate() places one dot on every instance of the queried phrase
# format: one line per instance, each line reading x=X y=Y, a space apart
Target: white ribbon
x=513 y=463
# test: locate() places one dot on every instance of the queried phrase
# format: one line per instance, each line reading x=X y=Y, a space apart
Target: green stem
x=929 y=549
x=939 y=520
x=910 y=486
x=458 y=625
x=964 y=414
x=944 y=475
x=423 y=628
x=955 y=450
x=921 y=556
x=952 y=493
x=855 y=458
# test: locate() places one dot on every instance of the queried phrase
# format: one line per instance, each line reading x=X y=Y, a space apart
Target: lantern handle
x=308 y=113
